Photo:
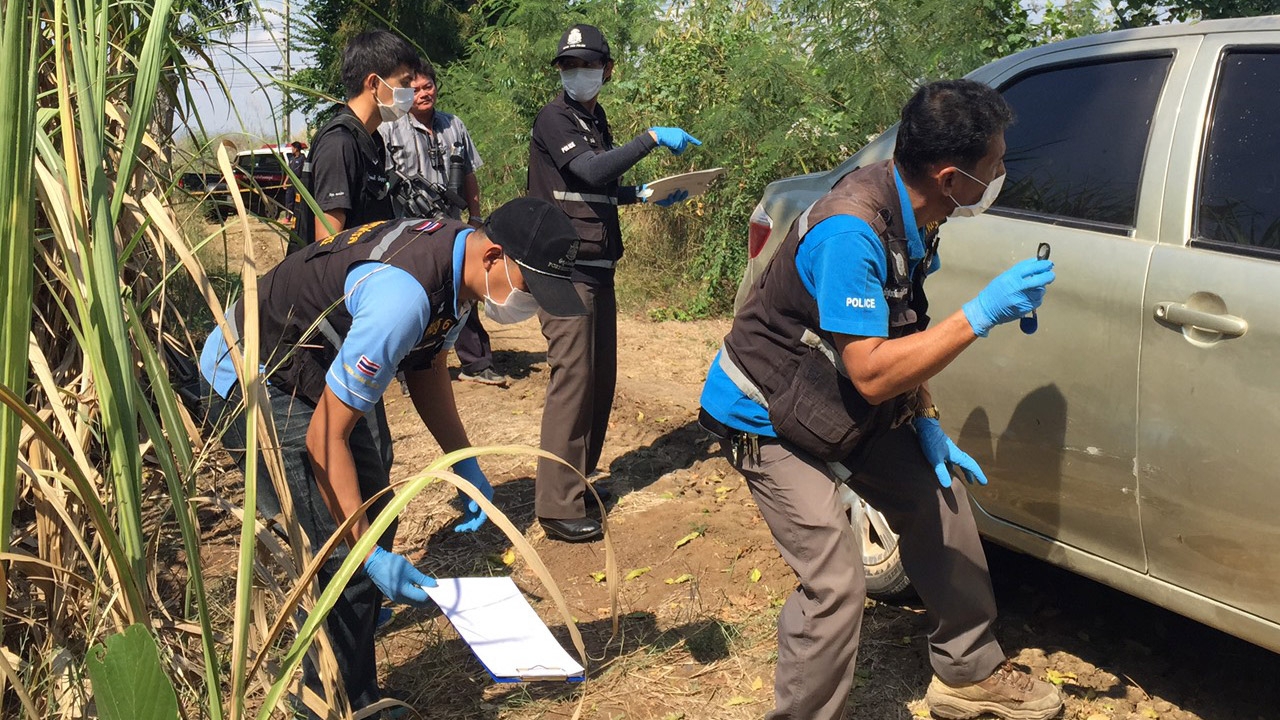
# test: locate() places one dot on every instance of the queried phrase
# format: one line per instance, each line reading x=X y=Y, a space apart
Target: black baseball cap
x=582 y=41
x=542 y=241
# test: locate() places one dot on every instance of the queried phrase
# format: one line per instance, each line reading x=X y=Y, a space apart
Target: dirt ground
x=697 y=628
x=698 y=624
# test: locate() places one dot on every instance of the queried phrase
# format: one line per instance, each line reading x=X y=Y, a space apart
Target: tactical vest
x=778 y=349
x=376 y=181
x=303 y=319
x=593 y=209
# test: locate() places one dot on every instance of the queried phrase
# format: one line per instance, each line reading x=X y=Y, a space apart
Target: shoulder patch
x=428 y=226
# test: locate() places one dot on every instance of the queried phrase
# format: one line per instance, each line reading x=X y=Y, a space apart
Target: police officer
x=338 y=319
x=573 y=162
x=348 y=176
x=828 y=360
x=428 y=143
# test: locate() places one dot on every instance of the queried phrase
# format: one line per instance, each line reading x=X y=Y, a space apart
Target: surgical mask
x=518 y=307
x=984 y=202
x=401 y=101
x=582 y=84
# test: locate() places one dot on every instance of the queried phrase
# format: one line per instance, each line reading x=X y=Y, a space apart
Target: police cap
x=540 y=239
x=582 y=41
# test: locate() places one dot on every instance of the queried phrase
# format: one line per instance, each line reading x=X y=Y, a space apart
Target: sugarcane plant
x=108 y=608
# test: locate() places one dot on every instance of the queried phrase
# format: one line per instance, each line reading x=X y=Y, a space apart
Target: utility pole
x=288 y=96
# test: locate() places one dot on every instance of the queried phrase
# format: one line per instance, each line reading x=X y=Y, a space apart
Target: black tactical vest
x=303 y=318
x=593 y=209
x=811 y=401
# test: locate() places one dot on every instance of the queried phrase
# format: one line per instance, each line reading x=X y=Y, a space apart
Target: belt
x=739 y=443
x=597 y=263
x=584 y=197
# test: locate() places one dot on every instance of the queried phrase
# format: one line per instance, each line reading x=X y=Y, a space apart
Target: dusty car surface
x=1134 y=438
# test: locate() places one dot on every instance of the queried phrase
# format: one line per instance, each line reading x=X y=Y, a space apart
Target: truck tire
x=886 y=577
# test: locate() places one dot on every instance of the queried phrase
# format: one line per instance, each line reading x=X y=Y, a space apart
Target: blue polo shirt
x=390 y=314
x=842 y=265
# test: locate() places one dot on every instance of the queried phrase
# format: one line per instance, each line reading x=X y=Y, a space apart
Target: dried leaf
x=739 y=700
x=679 y=580
x=1058 y=678
x=755 y=575
x=757 y=683
x=688 y=539
x=637 y=573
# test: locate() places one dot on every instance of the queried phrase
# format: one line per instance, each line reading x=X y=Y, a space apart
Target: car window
x=268 y=164
x=1238 y=202
x=1080 y=132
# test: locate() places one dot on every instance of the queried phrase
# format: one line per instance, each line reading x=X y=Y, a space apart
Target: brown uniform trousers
x=820 y=623
x=583 y=354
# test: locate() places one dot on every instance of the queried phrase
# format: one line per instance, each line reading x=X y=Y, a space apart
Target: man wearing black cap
x=338 y=319
x=573 y=163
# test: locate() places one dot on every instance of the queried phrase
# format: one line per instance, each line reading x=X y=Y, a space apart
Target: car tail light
x=758 y=230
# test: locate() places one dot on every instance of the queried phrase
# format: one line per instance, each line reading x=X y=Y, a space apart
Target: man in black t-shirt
x=348 y=177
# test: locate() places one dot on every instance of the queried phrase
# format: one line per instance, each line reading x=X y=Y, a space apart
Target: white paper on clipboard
x=507 y=636
x=695 y=183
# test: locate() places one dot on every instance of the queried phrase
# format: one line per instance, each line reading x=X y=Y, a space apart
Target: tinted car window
x=1239 y=198
x=1079 y=137
x=268 y=165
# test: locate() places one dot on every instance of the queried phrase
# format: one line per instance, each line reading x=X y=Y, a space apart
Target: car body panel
x=1209 y=406
x=1117 y=446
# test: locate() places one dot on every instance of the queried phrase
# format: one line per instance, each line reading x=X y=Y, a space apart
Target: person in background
x=426 y=143
x=291 y=197
x=823 y=379
x=573 y=163
x=347 y=163
x=333 y=348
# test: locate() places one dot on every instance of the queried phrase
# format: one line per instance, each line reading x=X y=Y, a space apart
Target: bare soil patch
x=698 y=626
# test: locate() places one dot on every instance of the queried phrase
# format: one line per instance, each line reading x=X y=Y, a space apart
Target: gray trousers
x=583 y=355
x=820 y=623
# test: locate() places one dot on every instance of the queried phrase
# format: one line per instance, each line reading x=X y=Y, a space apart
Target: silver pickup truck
x=1135 y=438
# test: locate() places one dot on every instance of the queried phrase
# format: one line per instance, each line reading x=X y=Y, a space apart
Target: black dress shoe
x=571 y=530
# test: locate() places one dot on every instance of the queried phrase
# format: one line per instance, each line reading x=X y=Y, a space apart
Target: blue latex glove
x=1014 y=293
x=674 y=139
x=397 y=578
x=644 y=193
x=941 y=452
x=675 y=197
x=474 y=517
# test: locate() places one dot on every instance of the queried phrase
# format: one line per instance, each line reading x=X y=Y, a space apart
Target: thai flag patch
x=428 y=226
x=367 y=366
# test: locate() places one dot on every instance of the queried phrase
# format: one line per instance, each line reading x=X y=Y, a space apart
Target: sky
x=245 y=62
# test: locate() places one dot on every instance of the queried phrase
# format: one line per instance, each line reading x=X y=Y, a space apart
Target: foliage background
x=773 y=88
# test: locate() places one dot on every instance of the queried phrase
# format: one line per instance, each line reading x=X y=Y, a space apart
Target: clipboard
x=501 y=628
x=695 y=183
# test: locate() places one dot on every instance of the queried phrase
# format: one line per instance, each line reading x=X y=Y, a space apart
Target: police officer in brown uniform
x=822 y=379
x=573 y=163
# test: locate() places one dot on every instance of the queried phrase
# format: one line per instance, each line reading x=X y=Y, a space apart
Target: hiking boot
x=486 y=376
x=1009 y=693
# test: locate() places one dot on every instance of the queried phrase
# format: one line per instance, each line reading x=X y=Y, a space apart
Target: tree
x=436 y=27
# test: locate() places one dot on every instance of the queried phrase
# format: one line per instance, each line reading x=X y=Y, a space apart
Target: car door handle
x=1180 y=314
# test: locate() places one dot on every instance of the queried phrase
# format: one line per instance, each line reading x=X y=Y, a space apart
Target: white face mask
x=582 y=84
x=988 y=197
x=518 y=307
x=401 y=101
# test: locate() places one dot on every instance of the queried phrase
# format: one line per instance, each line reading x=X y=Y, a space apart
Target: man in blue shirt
x=823 y=379
x=337 y=320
